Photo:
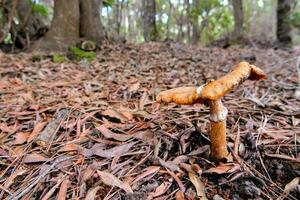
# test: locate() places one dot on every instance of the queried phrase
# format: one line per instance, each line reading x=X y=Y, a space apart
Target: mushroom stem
x=218 y=113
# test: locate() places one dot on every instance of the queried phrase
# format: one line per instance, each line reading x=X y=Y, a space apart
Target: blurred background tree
x=196 y=22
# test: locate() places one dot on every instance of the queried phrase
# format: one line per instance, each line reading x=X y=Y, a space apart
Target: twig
x=22 y=191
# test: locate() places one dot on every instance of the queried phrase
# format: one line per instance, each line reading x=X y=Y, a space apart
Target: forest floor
x=93 y=130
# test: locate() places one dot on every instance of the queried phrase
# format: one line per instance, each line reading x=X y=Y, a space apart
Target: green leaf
x=108 y=3
x=39 y=8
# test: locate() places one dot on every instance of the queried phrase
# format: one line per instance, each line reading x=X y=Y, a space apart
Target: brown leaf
x=292 y=185
x=110 y=179
x=115 y=114
x=109 y=134
x=143 y=100
x=91 y=194
x=52 y=190
x=179 y=182
x=34 y=158
x=179 y=195
x=170 y=165
x=69 y=148
x=148 y=171
x=161 y=189
x=199 y=185
x=62 y=194
x=49 y=132
x=134 y=87
x=223 y=168
x=10 y=180
x=36 y=130
x=21 y=138
x=115 y=151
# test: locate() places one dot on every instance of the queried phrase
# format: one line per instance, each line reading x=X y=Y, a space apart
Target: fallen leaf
x=109 y=134
x=115 y=151
x=148 y=171
x=179 y=195
x=52 y=190
x=49 y=132
x=69 y=148
x=34 y=158
x=199 y=185
x=115 y=114
x=62 y=194
x=145 y=136
x=110 y=179
x=91 y=194
x=142 y=114
x=10 y=180
x=21 y=138
x=179 y=182
x=223 y=168
x=292 y=185
x=134 y=87
x=170 y=165
x=143 y=100
x=161 y=189
x=36 y=130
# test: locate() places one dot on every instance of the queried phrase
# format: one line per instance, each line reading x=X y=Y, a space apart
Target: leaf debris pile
x=94 y=130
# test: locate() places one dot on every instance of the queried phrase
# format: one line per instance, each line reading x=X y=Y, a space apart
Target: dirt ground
x=80 y=130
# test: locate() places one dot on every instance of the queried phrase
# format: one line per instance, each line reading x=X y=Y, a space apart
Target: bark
x=119 y=6
x=195 y=23
x=64 y=30
x=188 y=20
x=72 y=19
x=169 y=17
x=149 y=22
x=238 y=19
x=30 y=27
x=90 y=23
x=283 y=26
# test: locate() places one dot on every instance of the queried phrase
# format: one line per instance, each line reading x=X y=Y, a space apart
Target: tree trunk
x=195 y=23
x=238 y=20
x=90 y=23
x=119 y=6
x=188 y=20
x=64 y=30
x=283 y=27
x=169 y=19
x=30 y=27
x=72 y=19
x=149 y=22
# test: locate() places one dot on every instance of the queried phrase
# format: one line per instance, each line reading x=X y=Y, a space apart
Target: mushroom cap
x=213 y=90
x=217 y=89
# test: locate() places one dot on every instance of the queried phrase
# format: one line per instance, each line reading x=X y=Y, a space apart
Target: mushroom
x=211 y=94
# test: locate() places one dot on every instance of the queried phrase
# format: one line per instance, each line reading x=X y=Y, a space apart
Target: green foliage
x=58 y=58
x=39 y=8
x=81 y=54
x=295 y=19
x=8 y=39
x=109 y=3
